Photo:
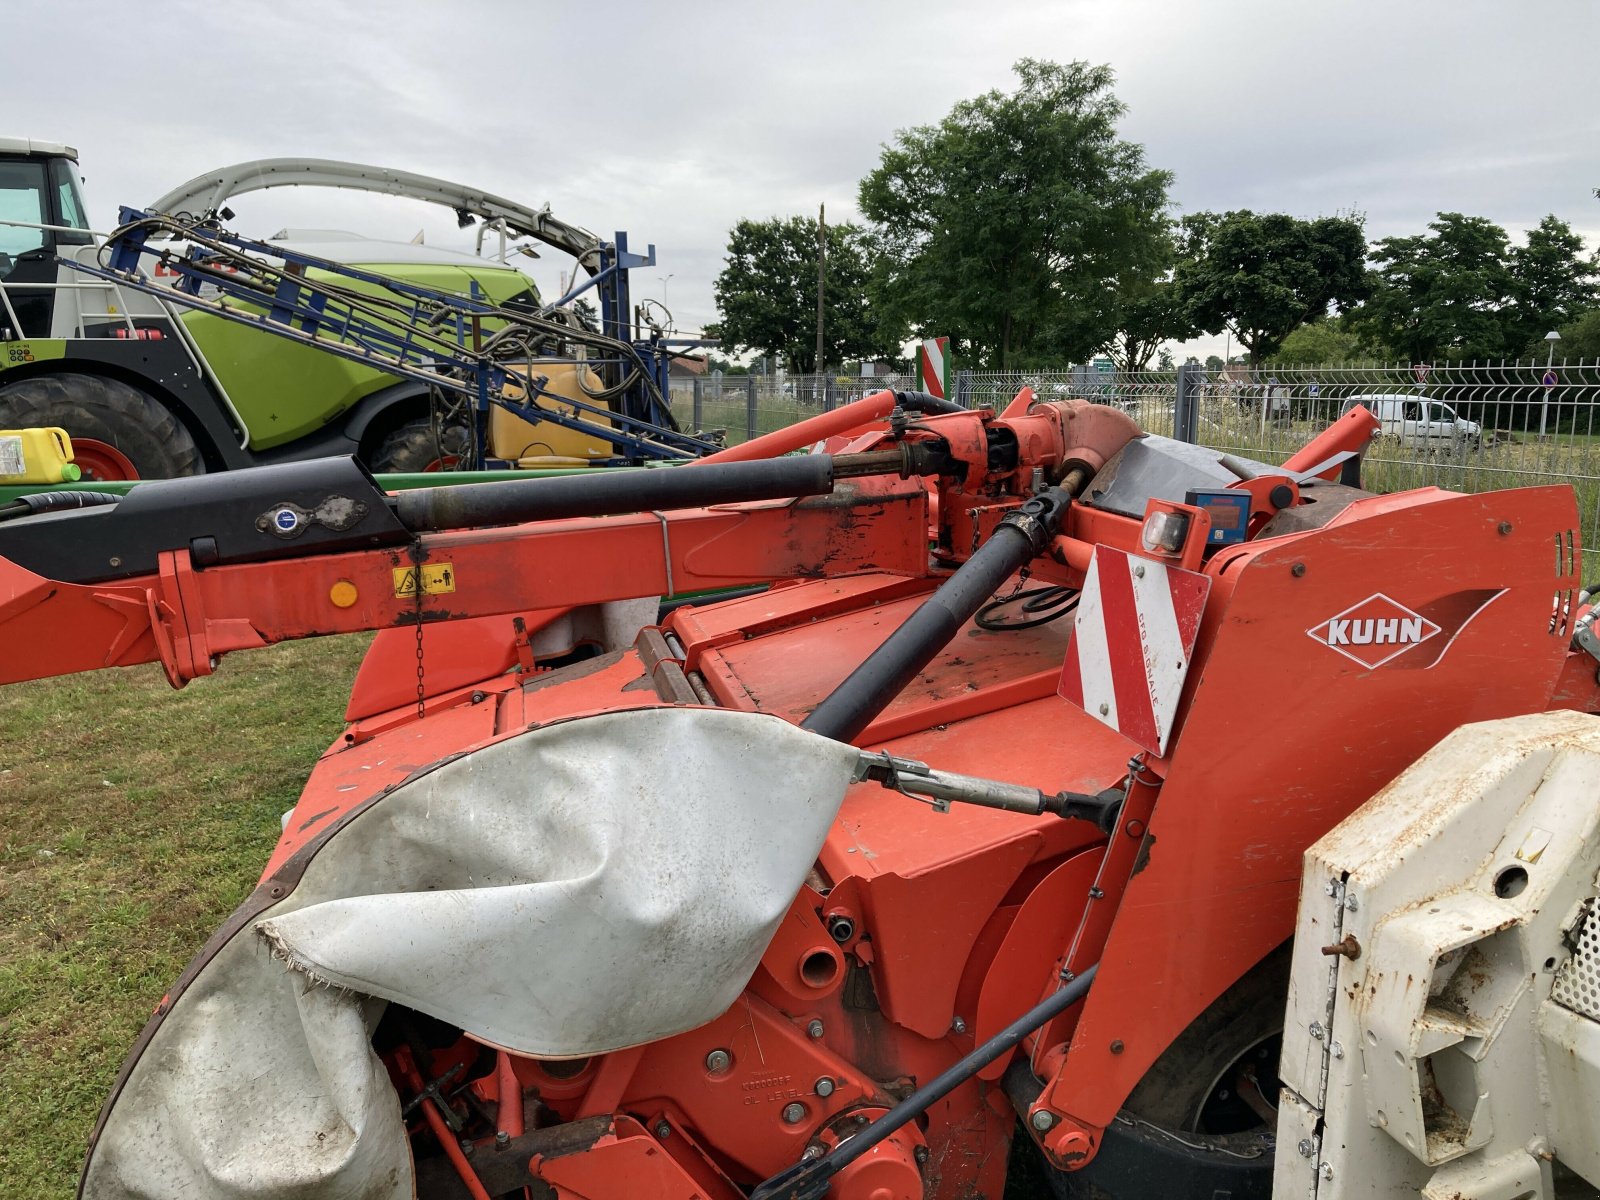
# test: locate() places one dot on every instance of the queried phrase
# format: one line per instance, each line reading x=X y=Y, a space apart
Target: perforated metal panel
x=1577 y=984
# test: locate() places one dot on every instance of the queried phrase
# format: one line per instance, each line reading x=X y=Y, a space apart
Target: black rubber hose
x=809 y=1180
x=868 y=690
x=926 y=403
x=474 y=505
x=39 y=502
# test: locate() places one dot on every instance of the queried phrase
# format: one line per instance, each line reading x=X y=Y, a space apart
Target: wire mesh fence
x=1464 y=427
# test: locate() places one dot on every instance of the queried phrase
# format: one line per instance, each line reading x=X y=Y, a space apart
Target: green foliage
x=767 y=294
x=1148 y=314
x=1002 y=225
x=1552 y=283
x=1263 y=275
x=1580 y=338
x=1443 y=295
x=1330 y=340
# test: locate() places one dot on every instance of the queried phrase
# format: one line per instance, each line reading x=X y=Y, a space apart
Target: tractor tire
x=117 y=431
x=1183 y=1134
x=411 y=447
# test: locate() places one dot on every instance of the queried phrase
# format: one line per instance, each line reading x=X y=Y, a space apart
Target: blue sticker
x=286 y=519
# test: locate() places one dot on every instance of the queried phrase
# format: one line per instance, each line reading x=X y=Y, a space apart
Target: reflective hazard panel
x=436 y=578
x=1132 y=641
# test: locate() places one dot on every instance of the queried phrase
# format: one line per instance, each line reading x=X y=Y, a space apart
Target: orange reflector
x=343 y=593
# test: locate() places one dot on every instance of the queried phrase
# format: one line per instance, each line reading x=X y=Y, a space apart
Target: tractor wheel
x=1202 y=1121
x=117 y=431
x=412 y=447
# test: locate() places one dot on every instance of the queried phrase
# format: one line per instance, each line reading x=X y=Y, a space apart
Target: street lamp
x=664 y=280
x=1550 y=340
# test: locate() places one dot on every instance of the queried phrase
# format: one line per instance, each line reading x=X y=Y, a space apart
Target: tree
x=1581 y=338
x=1263 y=275
x=1147 y=315
x=1007 y=225
x=1330 y=340
x=767 y=294
x=1444 y=294
x=1552 y=281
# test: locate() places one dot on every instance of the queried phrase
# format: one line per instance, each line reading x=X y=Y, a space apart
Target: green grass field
x=132 y=820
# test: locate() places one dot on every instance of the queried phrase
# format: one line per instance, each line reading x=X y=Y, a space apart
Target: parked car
x=1419 y=421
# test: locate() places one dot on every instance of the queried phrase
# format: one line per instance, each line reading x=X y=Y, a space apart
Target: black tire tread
x=411 y=447
x=97 y=406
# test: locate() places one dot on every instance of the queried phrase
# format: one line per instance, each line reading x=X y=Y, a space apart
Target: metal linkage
x=809 y=1180
x=407 y=330
x=946 y=787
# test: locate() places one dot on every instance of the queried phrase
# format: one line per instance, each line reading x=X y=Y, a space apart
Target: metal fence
x=1465 y=427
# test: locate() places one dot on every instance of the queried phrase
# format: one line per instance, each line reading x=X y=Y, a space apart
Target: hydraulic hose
x=513 y=501
x=39 y=502
x=868 y=690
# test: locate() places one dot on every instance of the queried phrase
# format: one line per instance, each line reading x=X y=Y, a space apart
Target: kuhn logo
x=1374 y=631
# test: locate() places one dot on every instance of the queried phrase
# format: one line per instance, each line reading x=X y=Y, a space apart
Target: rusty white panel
x=1436 y=920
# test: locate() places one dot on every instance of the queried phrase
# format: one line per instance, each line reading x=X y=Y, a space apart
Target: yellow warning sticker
x=436 y=578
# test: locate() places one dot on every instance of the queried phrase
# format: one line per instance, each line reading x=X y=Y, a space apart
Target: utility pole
x=822 y=275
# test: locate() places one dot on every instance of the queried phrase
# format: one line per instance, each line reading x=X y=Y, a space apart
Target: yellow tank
x=36 y=456
x=546 y=444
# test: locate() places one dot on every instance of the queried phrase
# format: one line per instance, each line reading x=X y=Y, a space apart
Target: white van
x=1418 y=421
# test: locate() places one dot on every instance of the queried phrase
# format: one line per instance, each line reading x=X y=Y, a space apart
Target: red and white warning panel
x=1132 y=641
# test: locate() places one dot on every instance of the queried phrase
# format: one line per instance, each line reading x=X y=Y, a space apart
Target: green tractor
x=148 y=387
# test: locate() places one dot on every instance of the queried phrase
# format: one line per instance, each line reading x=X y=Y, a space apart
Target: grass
x=133 y=819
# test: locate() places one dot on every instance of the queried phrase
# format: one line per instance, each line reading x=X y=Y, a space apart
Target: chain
x=422 y=693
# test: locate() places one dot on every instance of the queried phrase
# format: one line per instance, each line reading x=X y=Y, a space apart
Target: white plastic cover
x=569 y=891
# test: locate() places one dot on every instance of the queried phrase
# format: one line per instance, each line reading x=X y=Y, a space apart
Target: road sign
x=1550 y=379
x=1421 y=371
x=933 y=361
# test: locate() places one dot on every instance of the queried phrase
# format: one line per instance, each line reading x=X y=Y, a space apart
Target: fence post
x=1185 y=409
x=827 y=396
x=749 y=408
x=699 y=403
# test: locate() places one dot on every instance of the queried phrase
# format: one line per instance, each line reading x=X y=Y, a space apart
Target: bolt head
x=794 y=1113
x=1306 y=1148
x=1105 y=710
x=663 y=1130
x=814 y=1029
x=823 y=1087
x=811 y=1151
x=1298 y=570
x=1042 y=1120
x=1116 y=1046
x=718 y=1061
x=1351 y=903
x=1316 y=1030
x=921 y=1155
x=958 y=1025
x=502 y=1139
x=1327 y=1170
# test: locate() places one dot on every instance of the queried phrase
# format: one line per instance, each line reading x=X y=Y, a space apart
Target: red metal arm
x=185 y=618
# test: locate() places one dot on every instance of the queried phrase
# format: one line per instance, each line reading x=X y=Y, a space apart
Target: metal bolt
x=1298 y=570
x=921 y=1155
x=663 y=1130
x=1331 y=888
x=502 y=1139
x=1306 y=1148
x=811 y=1151
x=794 y=1113
x=467 y=1147
x=1335 y=1049
x=1138 y=571
x=1505 y=528
x=1316 y=1030
x=718 y=1061
x=958 y=1025
x=814 y=1029
x=1351 y=903
x=1327 y=1170
x=1042 y=1120
x=1116 y=1046
x=823 y=1087
x=841 y=928
x=1105 y=710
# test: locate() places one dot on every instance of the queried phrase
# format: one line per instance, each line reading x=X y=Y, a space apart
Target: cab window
x=22 y=199
x=69 y=204
x=1412 y=411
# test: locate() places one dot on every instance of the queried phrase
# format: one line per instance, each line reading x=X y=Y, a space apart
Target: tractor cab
x=41 y=213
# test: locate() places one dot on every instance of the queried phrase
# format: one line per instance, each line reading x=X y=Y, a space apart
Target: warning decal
x=436 y=579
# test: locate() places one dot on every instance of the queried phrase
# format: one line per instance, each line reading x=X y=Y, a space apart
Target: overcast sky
x=672 y=121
